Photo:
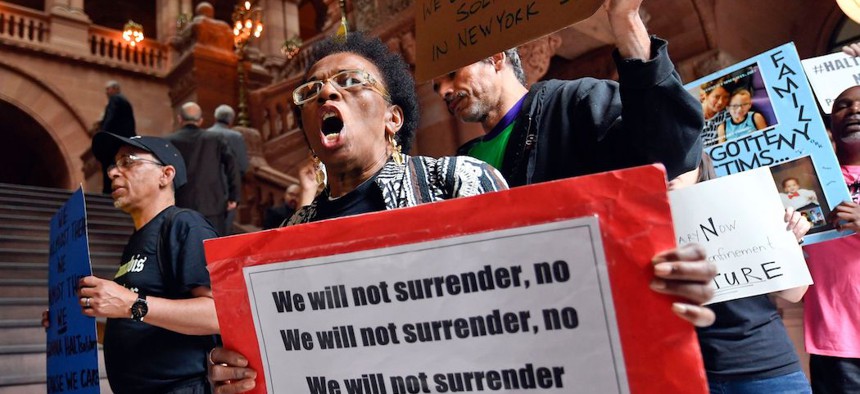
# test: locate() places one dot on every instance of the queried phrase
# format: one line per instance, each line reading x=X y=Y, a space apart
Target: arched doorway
x=29 y=156
x=44 y=136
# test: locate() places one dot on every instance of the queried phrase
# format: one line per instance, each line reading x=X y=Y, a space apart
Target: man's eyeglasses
x=347 y=80
x=738 y=106
x=128 y=161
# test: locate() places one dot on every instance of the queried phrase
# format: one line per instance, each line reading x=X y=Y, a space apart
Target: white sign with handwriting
x=738 y=219
x=830 y=74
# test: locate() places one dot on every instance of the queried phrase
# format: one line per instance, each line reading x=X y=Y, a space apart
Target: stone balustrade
x=107 y=45
x=23 y=24
x=27 y=28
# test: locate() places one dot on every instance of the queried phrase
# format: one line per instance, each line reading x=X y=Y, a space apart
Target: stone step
x=22 y=365
x=31 y=201
x=42 y=213
x=47 y=193
x=25 y=255
x=23 y=287
x=25 y=365
x=21 y=331
x=41 y=230
x=40 y=270
x=16 y=308
x=92 y=224
x=42 y=242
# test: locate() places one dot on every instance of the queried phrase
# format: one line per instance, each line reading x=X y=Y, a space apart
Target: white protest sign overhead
x=738 y=219
x=830 y=74
x=423 y=316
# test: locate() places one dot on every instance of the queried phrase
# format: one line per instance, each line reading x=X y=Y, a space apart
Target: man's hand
x=228 y=372
x=685 y=273
x=231 y=205
x=846 y=216
x=631 y=36
x=104 y=298
x=46 y=319
x=796 y=223
x=622 y=7
x=852 y=49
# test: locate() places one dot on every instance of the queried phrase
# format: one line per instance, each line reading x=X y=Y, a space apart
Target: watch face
x=139 y=309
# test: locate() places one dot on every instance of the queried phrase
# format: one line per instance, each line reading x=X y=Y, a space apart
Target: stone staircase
x=25 y=215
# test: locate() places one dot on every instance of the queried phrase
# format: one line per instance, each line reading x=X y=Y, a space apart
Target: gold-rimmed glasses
x=347 y=80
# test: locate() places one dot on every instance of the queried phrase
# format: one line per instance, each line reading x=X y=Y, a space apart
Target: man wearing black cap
x=159 y=307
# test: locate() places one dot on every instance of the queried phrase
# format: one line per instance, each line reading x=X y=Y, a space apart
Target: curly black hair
x=395 y=76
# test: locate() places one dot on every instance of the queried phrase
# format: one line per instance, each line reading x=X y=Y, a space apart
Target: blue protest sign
x=72 y=343
x=761 y=113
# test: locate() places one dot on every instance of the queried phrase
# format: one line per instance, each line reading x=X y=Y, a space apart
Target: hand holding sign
x=631 y=36
x=229 y=372
x=105 y=298
x=846 y=216
x=683 y=272
x=796 y=223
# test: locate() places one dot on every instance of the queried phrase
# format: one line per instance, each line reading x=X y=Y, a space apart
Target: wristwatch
x=139 y=308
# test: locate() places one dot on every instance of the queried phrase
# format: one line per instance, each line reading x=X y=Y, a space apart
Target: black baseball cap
x=105 y=146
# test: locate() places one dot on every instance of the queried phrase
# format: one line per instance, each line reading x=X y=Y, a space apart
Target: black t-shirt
x=141 y=358
x=366 y=198
x=747 y=341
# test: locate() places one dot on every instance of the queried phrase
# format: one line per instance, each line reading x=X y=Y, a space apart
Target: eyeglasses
x=347 y=80
x=737 y=106
x=128 y=161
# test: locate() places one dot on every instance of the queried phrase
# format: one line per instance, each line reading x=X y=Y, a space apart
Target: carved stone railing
x=298 y=64
x=272 y=109
x=263 y=185
x=31 y=29
x=23 y=24
x=109 y=46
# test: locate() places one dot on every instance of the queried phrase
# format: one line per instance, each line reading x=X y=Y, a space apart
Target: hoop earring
x=396 y=155
x=319 y=170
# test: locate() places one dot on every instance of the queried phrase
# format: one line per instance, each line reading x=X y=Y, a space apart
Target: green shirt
x=492 y=150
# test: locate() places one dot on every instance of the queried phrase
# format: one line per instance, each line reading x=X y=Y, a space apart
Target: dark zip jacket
x=573 y=128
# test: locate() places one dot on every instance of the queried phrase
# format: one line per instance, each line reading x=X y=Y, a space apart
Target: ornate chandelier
x=132 y=33
x=247 y=22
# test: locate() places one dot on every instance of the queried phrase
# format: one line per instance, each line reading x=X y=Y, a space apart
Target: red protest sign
x=502 y=291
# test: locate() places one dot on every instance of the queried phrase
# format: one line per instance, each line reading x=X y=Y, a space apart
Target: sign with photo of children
x=761 y=113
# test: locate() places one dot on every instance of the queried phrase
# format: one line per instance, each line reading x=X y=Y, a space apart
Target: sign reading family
x=453 y=33
x=748 y=242
x=761 y=113
x=548 y=297
x=72 y=361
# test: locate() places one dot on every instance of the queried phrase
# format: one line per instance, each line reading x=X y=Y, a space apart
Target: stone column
x=186 y=8
x=291 y=19
x=274 y=25
x=166 y=19
x=77 y=6
x=69 y=25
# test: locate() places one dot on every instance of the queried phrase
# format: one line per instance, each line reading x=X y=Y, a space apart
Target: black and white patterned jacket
x=422 y=179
